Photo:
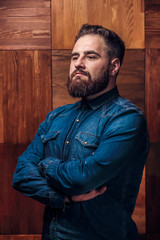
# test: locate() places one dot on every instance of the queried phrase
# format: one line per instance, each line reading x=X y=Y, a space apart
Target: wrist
x=70 y=199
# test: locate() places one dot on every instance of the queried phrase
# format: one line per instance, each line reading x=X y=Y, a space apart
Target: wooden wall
x=36 y=38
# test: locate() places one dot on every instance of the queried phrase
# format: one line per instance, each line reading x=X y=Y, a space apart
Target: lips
x=79 y=73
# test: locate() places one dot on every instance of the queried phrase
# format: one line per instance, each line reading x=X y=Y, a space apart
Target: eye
x=75 y=57
x=91 y=57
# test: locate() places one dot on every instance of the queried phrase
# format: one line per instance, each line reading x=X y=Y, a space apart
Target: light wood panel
x=18 y=214
x=25 y=24
x=124 y=17
x=152 y=23
x=25 y=92
x=152 y=93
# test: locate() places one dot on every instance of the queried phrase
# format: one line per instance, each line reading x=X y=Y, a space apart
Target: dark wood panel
x=19 y=214
x=152 y=23
x=25 y=93
x=152 y=190
x=131 y=77
x=130 y=80
x=152 y=93
x=124 y=17
x=25 y=25
x=20 y=237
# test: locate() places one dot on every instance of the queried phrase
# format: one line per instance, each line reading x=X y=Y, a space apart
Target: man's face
x=89 y=68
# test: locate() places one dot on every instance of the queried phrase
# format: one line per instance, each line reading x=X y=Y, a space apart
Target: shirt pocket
x=85 y=144
x=49 y=141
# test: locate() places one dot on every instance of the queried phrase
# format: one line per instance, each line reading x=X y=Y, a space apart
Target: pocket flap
x=50 y=135
x=87 y=139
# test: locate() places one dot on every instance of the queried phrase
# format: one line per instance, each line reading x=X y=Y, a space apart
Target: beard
x=79 y=87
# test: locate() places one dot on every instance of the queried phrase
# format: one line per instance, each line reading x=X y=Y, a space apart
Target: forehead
x=90 y=42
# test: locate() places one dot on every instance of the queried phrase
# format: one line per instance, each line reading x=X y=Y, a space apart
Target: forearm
x=31 y=183
x=117 y=151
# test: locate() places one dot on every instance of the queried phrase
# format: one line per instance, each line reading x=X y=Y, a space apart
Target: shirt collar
x=99 y=101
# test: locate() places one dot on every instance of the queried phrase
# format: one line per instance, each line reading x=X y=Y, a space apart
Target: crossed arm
x=28 y=180
x=51 y=180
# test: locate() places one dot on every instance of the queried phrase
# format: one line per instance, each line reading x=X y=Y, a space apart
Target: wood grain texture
x=25 y=24
x=19 y=214
x=152 y=93
x=21 y=237
x=124 y=17
x=25 y=93
x=152 y=23
x=152 y=191
x=139 y=214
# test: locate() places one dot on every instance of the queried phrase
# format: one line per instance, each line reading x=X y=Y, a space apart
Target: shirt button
x=85 y=143
x=77 y=120
x=67 y=142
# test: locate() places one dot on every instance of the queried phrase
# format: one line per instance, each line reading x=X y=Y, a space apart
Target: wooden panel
x=130 y=80
x=139 y=215
x=20 y=237
x=25 y=24
x=19 y=214
x=152 y=23
x=152 y=191
x=152 y=93
x=124 y=17
x=131 y=77
x=26 y=89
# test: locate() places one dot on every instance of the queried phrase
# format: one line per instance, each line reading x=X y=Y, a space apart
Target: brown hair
x=112 y=40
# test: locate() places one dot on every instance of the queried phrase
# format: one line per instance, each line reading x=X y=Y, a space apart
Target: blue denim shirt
x=78 y=148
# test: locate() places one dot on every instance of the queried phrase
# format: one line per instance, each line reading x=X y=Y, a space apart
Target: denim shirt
x=78 y=148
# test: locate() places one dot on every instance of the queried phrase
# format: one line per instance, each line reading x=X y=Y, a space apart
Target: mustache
x=79 y=71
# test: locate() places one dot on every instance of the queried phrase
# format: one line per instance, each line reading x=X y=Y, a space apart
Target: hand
x=87 y=196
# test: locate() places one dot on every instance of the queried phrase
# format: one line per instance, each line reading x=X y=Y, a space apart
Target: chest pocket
x=85 y=145
x=49 y=141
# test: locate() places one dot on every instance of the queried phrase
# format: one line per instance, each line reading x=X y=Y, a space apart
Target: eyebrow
x=86 y=53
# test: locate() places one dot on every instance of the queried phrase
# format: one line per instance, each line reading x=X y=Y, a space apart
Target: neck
x=109 y=87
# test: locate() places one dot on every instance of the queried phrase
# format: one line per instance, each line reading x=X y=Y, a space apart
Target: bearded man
x=86 y=160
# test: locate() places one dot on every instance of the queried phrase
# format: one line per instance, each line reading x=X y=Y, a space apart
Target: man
x=87 y=159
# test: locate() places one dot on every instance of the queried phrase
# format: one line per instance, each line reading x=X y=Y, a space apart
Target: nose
x=79 y=63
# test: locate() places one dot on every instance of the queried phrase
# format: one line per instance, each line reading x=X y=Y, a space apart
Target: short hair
x=116 y=47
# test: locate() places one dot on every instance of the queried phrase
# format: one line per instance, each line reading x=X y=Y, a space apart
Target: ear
x=114 y=67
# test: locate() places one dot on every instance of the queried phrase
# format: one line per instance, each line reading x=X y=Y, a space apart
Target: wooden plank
x=20 y=237
x=139 y=214
x=152 y=191
x=19 y=214
x=26 y=91
x=152 y=93
x=152 y=23
x=131 y=77
x=124 y=17
x=25 y=25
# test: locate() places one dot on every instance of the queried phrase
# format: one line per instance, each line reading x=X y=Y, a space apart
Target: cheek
x=71 y=68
